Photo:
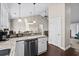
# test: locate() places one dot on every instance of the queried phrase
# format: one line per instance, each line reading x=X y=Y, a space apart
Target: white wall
x=59 y=12
x=55 y=11
x=74 y=19
x=16 y=26
x=74 y=12
x=67 y=23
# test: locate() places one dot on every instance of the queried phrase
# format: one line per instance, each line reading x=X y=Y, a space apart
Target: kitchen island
x=12 y=42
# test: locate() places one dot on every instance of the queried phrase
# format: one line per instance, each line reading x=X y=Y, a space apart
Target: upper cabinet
x=0 y=15
x=4 y=18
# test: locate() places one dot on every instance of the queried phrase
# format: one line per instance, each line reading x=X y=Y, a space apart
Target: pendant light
x=34 y=12
x=45 y=13
x=19 y=20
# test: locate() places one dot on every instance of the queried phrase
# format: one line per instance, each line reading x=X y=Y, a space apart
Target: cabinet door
x=39 y=46
x=4 y=22
x=20 y=48
x=0 y=15
x=42 y=45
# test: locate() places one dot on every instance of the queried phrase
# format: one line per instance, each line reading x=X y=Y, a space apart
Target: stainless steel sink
x=5 y=52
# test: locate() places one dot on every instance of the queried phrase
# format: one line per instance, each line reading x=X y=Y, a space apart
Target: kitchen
x=23 y=29
x=34 y=29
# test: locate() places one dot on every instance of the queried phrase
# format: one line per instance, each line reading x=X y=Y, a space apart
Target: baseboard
x=65 y=48
x=58 y=46
x=42 y=52
x=62 y=47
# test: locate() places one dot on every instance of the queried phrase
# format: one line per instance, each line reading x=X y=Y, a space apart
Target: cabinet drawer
x=42 y=39
x=42 y=43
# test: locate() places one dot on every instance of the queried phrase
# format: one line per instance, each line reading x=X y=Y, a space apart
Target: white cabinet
x=0 y=15
x=28 y=48
x=4 y=16
x=42 y=45
x=19 y=48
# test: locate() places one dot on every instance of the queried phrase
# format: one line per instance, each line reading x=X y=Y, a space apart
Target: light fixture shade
x=34 y=21
x=19 y=20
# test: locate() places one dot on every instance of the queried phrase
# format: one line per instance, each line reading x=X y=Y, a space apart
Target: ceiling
x=27 y=9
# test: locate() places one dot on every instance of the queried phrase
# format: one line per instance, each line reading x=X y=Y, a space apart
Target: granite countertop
x=11 y=43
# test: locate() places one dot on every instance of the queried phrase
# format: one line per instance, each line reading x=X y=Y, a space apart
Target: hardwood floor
x=55 y=51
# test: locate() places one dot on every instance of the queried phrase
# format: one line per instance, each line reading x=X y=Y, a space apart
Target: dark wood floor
x=55 y=51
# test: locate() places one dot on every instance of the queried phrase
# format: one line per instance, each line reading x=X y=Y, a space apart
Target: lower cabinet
x=27 y=47
x=31 y=47
x=42 y=45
